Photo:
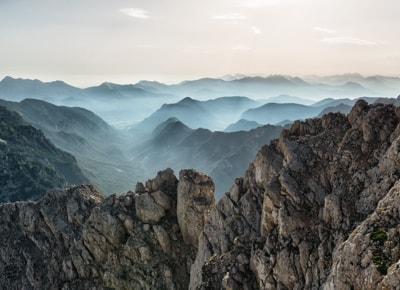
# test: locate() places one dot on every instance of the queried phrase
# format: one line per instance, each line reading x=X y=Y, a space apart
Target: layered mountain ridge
x=222 y=155
x=317 y=209
x=124 y=105
x=213 y=114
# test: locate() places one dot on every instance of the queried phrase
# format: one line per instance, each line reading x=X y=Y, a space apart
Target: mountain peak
x=168 y=124
x=11 y=80
x=107 y=85
x=7 y=79
x=149 y=83
x=171 y=129
x=187 y=100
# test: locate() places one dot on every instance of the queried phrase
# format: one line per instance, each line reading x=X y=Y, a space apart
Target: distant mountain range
x=118 y=104
x=19 y=89
x=241 y=113
x=281 y=113
x=31 y=164
x=122 y=105
x=348 y=85
x=384 y=85
x=222 y=155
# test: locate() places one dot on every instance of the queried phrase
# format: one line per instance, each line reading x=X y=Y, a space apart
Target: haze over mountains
x=213 y=114
x=123 y=105
x=120 y=134
x=224 y=156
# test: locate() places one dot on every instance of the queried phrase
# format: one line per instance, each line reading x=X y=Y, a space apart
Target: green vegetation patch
x=379 y=236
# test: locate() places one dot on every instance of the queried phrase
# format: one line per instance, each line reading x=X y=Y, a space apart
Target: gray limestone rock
x=195 y=199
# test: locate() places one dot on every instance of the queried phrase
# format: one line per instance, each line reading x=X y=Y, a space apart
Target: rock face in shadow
x=78 y=239
x=317 y=209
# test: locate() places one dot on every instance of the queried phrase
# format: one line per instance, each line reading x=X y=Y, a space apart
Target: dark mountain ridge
x=97 y=146
x=31 y=164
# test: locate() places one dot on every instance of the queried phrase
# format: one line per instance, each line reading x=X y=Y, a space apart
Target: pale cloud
x=230 y=16
x=324 y=30
x=135 y=12
x=343 y=39
x=256 y=30
x=348 y=40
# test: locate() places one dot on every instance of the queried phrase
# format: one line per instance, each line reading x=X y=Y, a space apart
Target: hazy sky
x=89 y=41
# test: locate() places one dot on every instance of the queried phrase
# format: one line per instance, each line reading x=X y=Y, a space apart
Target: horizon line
x=182 y=80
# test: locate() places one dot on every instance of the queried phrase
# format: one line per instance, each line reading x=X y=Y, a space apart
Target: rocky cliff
x=319 y=208
x=78 y=239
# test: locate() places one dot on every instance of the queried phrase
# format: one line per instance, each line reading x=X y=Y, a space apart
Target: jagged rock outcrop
x=318 y=208
x=78 y=239
x=195 y=199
